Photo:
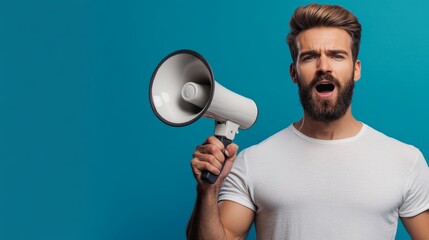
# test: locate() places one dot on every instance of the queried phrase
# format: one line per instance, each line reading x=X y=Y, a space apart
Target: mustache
x=324 y=76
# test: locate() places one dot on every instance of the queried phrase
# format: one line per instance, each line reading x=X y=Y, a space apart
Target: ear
x=357 y=70
x=293 y=73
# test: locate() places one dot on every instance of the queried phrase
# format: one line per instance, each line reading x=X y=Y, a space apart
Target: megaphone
x=182 y=90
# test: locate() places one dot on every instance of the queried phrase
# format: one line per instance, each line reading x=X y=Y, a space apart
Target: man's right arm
x=210 y=220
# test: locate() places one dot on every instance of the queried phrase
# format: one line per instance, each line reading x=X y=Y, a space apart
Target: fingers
x=231 y=150
x=208 y=162
x=213 y=140
x=199 y=166
x=212 y=146
x=210 y=157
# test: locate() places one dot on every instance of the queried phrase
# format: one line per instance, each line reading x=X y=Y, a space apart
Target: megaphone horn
x=182 y=89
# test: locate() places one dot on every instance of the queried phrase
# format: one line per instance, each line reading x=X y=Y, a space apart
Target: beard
x=326 y=110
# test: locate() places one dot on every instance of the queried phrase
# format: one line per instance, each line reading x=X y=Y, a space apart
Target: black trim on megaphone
x=212 y=82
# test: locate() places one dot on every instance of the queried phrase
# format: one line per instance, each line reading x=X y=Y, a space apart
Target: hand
x=209 y=157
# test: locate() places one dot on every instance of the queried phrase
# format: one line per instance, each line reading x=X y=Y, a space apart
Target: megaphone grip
x=209 y=177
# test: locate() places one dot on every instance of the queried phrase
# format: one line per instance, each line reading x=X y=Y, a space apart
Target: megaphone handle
x=209 y=177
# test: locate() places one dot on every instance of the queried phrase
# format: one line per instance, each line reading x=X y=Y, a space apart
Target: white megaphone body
x=183 y=89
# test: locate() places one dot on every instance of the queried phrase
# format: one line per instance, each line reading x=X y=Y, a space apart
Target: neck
x=345 y=127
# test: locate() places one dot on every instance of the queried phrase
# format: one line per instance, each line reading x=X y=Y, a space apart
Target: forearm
x=205 y=222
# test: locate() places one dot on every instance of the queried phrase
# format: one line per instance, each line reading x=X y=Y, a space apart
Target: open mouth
x=325 y=87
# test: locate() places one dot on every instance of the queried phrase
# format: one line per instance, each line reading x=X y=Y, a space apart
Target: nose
x=323 y=64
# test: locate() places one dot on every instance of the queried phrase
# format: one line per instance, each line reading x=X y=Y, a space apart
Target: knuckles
x=212 y=139
x=196 y=154
x=212 y=159
x=211 y=153
x=207 y=148
x=211 y=148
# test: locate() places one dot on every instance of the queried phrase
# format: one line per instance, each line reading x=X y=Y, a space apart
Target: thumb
x=230 y=154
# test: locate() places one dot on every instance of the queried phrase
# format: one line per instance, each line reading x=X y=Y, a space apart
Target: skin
x=319 y=49
x=417 y=226
x=327 y=50
x=210 y=220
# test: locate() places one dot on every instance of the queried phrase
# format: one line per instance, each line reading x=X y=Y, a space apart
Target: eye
x=338 y=56
x=308 y=58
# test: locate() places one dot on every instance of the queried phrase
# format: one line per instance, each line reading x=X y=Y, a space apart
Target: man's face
x=325 y=72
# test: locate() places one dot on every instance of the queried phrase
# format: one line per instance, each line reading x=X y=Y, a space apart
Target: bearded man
x=327 y=176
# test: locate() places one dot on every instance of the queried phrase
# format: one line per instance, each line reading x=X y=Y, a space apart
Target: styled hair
x=316 y=15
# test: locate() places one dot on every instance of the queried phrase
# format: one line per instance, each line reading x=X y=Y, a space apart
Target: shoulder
x=374 y=135
x=278 y=139
x=389 y=145
x=270 y=148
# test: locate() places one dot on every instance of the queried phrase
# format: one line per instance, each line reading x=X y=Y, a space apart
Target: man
x=327 y=176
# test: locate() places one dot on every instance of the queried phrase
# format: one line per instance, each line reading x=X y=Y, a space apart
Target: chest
x=327 y=184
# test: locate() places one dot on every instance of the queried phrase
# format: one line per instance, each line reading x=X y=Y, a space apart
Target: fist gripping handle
x=209 y=177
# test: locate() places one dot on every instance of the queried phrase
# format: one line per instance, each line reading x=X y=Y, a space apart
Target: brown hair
x=315 y=15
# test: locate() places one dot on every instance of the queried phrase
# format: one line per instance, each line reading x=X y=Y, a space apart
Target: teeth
x=325 y=87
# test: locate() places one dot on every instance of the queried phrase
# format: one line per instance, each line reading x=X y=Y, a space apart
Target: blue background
x=82 y=156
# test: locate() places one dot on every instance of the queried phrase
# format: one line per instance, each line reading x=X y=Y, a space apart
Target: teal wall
x=82 y=156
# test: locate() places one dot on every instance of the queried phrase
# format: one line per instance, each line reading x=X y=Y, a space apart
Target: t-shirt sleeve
x=416 y=198
x=235 y=187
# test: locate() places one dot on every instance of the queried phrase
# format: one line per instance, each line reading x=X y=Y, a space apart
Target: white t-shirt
x=305 y=188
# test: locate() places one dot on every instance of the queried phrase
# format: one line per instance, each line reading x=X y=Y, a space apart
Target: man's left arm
x=417 y=226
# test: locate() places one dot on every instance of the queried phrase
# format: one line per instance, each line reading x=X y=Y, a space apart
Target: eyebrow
x=330 y=52
x=338 y=52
